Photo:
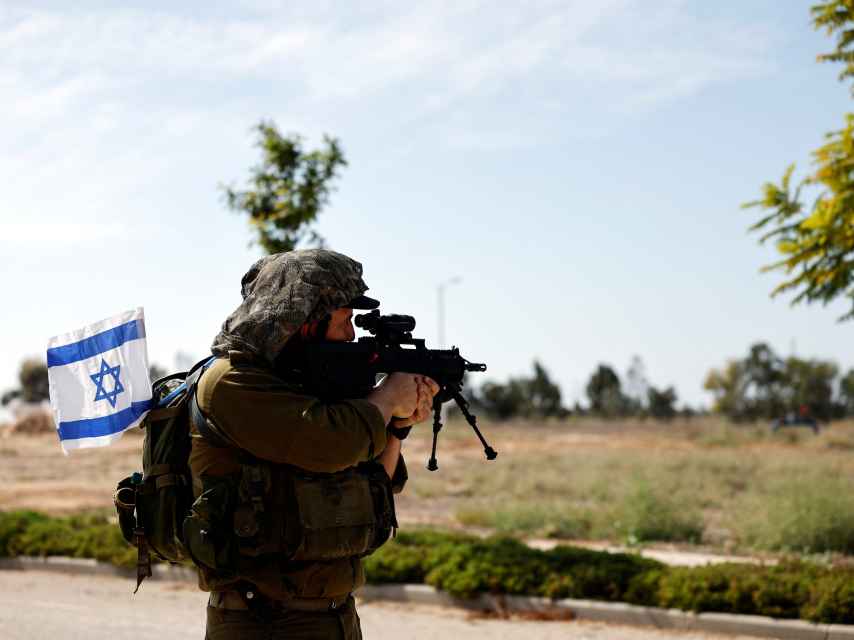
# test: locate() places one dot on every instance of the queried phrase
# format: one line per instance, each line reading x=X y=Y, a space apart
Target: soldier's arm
x=261 y=414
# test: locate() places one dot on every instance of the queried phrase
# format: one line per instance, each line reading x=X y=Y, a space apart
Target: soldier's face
x=341 y=326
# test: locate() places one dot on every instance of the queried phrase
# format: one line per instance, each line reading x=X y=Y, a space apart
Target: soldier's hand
x=427 y=390
x=397 y=395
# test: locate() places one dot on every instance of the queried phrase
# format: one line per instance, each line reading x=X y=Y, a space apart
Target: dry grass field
x=685 y=483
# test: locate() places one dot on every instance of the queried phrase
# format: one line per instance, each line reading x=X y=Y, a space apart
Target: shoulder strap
x=205 y=426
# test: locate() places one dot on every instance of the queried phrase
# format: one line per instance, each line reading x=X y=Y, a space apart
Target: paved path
x=36 y=605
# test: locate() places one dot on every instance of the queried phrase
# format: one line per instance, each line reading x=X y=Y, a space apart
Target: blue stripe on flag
x=108 y=425
x=99 y=343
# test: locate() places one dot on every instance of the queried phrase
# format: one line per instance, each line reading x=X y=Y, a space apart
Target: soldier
x=292 y=489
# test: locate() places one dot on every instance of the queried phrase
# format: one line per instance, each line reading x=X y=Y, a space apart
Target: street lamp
x=441 y=295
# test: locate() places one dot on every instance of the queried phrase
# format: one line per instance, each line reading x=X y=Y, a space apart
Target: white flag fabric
x=99 y=384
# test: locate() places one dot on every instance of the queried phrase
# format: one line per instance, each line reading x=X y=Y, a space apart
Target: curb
x=616 y=613
x=90 y=566
x=609 y=612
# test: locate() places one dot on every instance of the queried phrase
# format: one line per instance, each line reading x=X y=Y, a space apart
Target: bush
x=465 y=565
x=27 y=533
x=12 y=525
x=806 y=515
x=737 y=588
x=597 y=575
x=649 y=512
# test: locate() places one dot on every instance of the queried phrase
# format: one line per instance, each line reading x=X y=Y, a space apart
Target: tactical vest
x=279 y=513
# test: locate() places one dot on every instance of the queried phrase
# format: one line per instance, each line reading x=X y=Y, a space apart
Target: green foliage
x=737 y=588
x=837 y=16
x=831 y=599
x=846 y=393
x=33 y=381
x=597 y=575
x=84 y=536
x=660 y=404
x=804 y=515
x=12 y=525
x=764 y=386
x=650 y=512
x=500 y=565
x=535 y=397
x=465 y=565
x=604 y=391
x=818 y=245
x=288 y=189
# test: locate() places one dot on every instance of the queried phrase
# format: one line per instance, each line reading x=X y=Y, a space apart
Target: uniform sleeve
x=259 y=413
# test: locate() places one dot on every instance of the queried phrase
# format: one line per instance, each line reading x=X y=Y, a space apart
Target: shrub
x=13 y=525
x=738 y=588
x=831 y=599
x=465 y=565
x=595 y=574
x=650 y=512
x=806 y=515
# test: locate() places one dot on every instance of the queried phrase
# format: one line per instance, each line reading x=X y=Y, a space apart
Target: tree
x=536 y=397
x=605 y=393
x=728 y=386
x=764 y=386
x=503 y=401
x=809 y=383
x=637 y=387
x=818 y=245
x=846 y=393
x=288 y=189
x=660 y=404
x=155 y=372
x=33 y=380
x=544 y=396
x=765 y=377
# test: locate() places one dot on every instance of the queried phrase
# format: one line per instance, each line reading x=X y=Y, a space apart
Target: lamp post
x=441 y=306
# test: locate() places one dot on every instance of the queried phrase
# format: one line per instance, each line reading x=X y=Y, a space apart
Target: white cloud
x=56 y=235
x=96 y=104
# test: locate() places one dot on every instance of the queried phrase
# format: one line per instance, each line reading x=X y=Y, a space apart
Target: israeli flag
x=99 y=384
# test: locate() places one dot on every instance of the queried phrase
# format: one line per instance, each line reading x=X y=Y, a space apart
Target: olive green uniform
x=273 y=420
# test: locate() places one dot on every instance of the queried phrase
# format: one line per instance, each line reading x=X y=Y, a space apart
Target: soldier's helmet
x=281 y=292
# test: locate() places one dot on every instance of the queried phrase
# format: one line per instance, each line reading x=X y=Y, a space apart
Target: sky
x=579 y=166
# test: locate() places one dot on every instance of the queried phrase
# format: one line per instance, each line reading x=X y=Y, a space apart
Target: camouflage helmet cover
x=283 y=291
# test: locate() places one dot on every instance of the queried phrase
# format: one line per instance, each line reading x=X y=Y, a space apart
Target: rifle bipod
x=490 y=453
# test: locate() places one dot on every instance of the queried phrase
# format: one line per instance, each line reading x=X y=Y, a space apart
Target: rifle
x=345 y=370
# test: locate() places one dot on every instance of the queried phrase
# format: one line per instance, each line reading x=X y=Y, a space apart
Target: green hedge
x=27 y=533
x=464 y=566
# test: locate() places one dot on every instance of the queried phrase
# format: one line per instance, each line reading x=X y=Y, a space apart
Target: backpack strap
x=206 y=428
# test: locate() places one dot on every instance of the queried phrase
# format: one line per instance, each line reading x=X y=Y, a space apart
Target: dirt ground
x=536 y=462
x=47 y=605
x=35 y=474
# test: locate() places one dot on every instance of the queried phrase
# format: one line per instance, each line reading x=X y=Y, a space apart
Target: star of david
x=98 y=379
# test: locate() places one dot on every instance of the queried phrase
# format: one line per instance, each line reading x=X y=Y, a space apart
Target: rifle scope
x=392 y=324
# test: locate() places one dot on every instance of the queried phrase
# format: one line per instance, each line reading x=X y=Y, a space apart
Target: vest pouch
x=383 y=500
x=125 y=501
x=336 y=515
x=162 y=503
x=208 y=527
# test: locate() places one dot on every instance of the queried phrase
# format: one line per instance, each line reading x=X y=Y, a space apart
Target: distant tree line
x=764 y=385
x=608 y=396
x=760 y=386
